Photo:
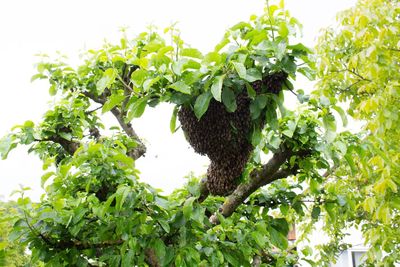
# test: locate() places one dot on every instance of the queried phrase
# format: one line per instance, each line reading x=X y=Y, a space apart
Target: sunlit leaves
x=108 y=78
x=136 y=108
x=181 y=86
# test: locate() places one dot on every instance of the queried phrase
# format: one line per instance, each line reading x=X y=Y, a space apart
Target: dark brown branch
x=93 y=110
x=69 y=146
x=151 y=258
x=79 y=245
x=358 y=75
x=260 y=177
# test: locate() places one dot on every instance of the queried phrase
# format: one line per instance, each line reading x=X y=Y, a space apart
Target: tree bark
x=258 y=178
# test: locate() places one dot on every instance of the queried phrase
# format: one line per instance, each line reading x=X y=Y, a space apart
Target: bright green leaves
x=289 y=128
x=191 y=52
x=136 y=108
x=7 y=143
x=253 y=75
x=240 y=69
x=216 y=87
x=113 y=101
x=138 y=77
x=94 y=193
x=278 y=233
x=121 y=195
x=180 y=86
x=250 y=75
x=279 y=49
x=201 y=104
x=188 y=207
x=106 y=80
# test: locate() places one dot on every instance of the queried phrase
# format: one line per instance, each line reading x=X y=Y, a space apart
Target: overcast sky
x=46 y=26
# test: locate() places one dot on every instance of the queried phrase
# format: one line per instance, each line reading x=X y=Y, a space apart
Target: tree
x=230 y=105
x=358 y=64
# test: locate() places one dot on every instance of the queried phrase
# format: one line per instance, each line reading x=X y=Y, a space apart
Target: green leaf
x=261 y=101
x=107 y=80
x=136 y=109
x=216 y=87
x=128 y=259
x=53 y=90
x=288 y=65
x=160 y=249
x=250 y=91
x=38 y=76
x=164 y=225
x=280 y=49
x=259 y=238
x=231 y=259
x=255 y=111
x=138 y=77
x=212 y=57
x=315 y=212
x=241 y=25
x=121 y=195
x=271 y=117
x=150 y=82
x=229 y=99
x=45 y=177
x=221 y=45
x=253 y=75
x=6 y=145
x=240 y=69
x=291 y=127
x=329 y=122
x=172 y=122
x=283 y=29
x=342 y=114
x=181 y=86
x=191 y=52
x=114 y=100
x=188 y=207
x=256 y=136
x=277 y=238
x=201 y=104
x=330 y=207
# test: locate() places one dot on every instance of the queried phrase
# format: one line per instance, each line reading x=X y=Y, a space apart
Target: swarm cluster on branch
x=224 y=136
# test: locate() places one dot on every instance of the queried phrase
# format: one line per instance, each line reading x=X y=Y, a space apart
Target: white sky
x=30 y=27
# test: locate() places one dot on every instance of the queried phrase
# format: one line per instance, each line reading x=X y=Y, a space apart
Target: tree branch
x=127 y=127
x=140 y=149
x=86 y=245
x=68 y=145
x=260 y=177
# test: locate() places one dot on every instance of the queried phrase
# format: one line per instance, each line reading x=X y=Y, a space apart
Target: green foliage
x=96 y=212
x=11 y=253
x=358 y=64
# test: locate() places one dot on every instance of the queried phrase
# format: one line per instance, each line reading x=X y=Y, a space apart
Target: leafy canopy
x=96 y=212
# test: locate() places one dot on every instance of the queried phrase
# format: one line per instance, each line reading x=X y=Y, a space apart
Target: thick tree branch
x=69 y=146
x=260 y=177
